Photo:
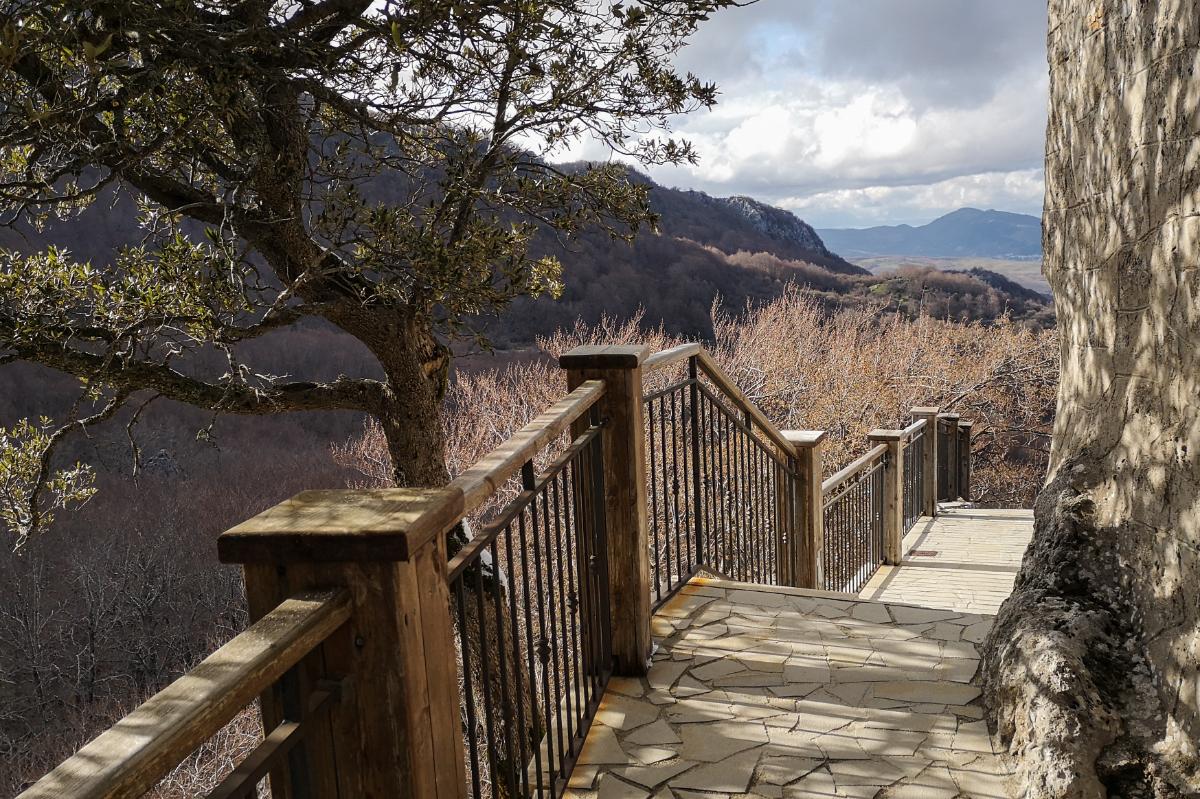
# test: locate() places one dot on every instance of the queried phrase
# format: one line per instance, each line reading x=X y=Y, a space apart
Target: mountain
x=743 y=223
x=729 y=251
x=962 y=233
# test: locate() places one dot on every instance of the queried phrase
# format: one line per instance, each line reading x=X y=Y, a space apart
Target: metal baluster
x=674 y=572
x=522 y=545
x=744 y=544
x=604 y=631
x=505 y=698
x=694 y=377
x=572 y=542
x=487 y=671
x=656 y=566
x=704 y=530
x=667 y=504
x=559 y=586
x=726 y=497
x=468 y=689
x=520 y=681
x=684 y=445
x=543 y=640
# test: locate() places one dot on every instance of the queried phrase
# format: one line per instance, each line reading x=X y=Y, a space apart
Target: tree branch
x=43 y=476
x=352 y=394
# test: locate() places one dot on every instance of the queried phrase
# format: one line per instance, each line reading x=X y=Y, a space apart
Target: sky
x=863 y=112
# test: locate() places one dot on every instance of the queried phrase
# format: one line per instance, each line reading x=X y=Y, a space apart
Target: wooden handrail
x=392 y=523
x=853 y=469
x=139 y=750
x=913 y=429
x=664 y=358
x=477 y=484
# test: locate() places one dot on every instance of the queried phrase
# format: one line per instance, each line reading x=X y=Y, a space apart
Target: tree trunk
x=1092 y=670
x=417 y=368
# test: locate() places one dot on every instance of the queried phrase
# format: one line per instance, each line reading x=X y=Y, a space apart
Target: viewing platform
x=650 y=590
x=784 y=692
x=965 y=559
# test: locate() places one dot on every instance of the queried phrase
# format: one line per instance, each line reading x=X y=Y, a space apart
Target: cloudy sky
x=862 y=112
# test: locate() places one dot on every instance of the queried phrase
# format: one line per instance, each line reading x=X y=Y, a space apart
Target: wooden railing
x=131 y=757
x=720 y=477
x=854 y=511
x=653 y=467
x=869 y=505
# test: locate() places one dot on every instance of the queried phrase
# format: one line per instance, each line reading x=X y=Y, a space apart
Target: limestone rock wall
x=1122 y=244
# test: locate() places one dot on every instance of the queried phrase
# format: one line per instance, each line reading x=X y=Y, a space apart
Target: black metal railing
x=716 y=488
x=531 y=605
x=914 y=479
x=675 y=522
x=853 y=520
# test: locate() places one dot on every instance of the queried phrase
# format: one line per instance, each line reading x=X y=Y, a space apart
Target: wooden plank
x=964 y=459
x=952 y=488
x=132 y=756
x=604 y=356
x=448 y=764
x=852 y=469
x=389 y=736
x=913 y=429
x=478 y=483
x=389 y=524
x=726 y=384
x=337 y=526
x=664 y=358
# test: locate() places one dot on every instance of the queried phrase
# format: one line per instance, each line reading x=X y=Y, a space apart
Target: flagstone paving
x=765 y=692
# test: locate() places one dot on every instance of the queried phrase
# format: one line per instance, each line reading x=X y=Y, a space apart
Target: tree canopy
x=380 y=164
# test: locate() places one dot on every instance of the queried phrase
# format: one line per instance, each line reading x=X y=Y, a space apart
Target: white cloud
x=870 y=111
x=1020 y=191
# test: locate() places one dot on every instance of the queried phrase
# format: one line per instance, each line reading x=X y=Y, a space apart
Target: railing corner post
x=806 y=517
x=893 y=494
x=928 y=454
x=627 y=538
x=396 y=728
x=964 y=460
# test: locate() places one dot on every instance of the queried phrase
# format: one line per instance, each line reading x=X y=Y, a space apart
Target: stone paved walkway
x=765 y=692
x=966 y=559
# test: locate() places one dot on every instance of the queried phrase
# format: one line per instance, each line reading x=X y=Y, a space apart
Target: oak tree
x=379 y=164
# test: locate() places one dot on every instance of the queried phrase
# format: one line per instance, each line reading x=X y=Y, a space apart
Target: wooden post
x=951 y=420
x=628 y=543
x=807 y=515
x=396 y=730
x=893 y=494
x=964 y=460
x=928 y=456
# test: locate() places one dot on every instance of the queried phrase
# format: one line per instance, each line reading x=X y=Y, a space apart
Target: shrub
x=846 y=372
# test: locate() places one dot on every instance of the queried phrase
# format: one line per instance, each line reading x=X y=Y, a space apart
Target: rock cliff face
x=1092 y=672
x=777 y=223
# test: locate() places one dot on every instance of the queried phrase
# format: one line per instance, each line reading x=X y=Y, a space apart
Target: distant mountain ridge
x=967 y=232
x=729 y=251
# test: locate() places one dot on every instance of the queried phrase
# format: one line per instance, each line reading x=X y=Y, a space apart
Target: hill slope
x=729 y=251
x=961 y=233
